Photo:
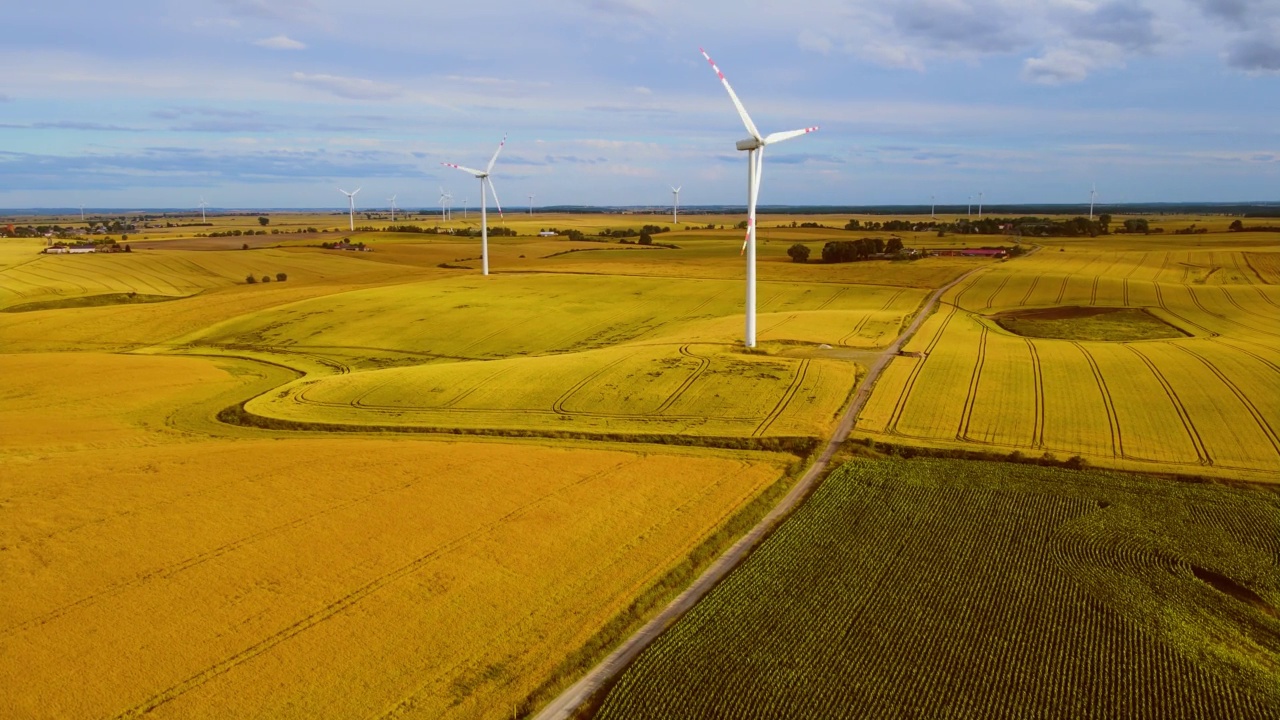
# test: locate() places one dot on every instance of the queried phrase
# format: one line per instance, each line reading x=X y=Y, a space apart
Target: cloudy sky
x=275 y=103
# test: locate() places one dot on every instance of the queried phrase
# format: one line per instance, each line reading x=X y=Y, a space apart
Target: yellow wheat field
x=150 y=569
x=1204 y=402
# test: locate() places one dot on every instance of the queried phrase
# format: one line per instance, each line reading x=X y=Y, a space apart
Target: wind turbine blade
x=344 y=192
x=494 y=159
x=473 y=171
x=742 y=112
x=494 y=191
x=787 y=135
x=353 y=193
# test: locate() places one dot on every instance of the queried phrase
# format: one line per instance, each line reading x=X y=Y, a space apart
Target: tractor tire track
x=703 y=364
x=1113 y=421
x=975 y=379
x=787 y=397
x=1037 y=430
x=1258 y=417
x=1201 y=451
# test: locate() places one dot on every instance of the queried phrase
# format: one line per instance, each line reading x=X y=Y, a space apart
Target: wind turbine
x=933 y=207
x=531 y=197
x=448 y=205
x=979 y=205
x=393 y=207
x=464 y=208
x=675 y=205
x=969 y=211
x=1093 y=194
x=443 y=216
x=754 y=147
x=203 y=205
x=351 y=200
x=81 y=213
x=484 y=178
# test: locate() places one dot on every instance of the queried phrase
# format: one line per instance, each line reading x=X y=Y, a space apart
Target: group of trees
x=632 y=232
x=1029 y=226
x=280 y=277
x=839 y=251
x=1238 y=226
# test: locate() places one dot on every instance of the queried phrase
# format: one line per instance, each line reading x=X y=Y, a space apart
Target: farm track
x=1037 y=429
x=991 y=299
x=1031 y=290
x=607 y=670
x=1181 y=409
x=1117 y=441
x=786 y=399
x=975 y=379
x=1258 y=418
x=341 y=604
x=703 y=364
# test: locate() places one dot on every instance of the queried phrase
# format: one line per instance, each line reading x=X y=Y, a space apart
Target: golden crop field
x=178 y=574
x=180 y=566
x=1191 y=384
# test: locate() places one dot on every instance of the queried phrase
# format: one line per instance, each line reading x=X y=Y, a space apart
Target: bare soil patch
x=1088 y=323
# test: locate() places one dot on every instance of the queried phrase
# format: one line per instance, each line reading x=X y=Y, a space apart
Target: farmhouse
x=76 y=249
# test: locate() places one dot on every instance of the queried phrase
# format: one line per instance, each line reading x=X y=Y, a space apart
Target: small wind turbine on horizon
x=1093 y=195
x=392 y=200
x=531 y=197
x=675 y=205
x=979 y=205
x=485 y=179
x=351 y=202
x=203 y=205
x=754 y=147
x=465 y=201
x=969 y=211
x=81 y=213
x=933 y=207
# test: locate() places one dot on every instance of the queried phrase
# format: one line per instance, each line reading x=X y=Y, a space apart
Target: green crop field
x=931 y=588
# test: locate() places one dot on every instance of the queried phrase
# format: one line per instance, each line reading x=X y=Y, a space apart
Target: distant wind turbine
x=1093 y=195
x=754 y=147
x=933 y=207
x=979 y=205
x=531 y=197
x=351 y=200
x=484 y=178
x=675 y=205
x=969 y=211
x=392 y=199
x=203 y=205
x=81 y=213
x=465 y=201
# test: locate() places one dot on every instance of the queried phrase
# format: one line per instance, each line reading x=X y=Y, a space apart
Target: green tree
x=799 y=253
x=1236 y=226
x=646 y=238
x=263 y=220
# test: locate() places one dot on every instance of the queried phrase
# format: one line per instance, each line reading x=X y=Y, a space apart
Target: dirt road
x=617 y=661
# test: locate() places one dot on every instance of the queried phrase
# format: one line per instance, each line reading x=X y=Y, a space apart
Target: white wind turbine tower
x=484 y=178
x=675 y=205
x=203 y=205
x=933 y=207
x=448 y=205
x=754 y=147
x=465 y=201
x=351 y=201
x=1093 y=195
x=81 y=213
x=979 y=205
x=531 y=197
x=443 y=217
x=392 y=200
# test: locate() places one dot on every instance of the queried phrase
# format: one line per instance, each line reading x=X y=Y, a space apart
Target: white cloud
x=350 y=88
x=1071 y=63
x=280 y=42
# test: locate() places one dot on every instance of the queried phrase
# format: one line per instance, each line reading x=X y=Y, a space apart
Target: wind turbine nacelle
x=750 y=144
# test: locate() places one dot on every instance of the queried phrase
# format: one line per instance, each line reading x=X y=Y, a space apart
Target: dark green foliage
x=943 y=588
x=251 y=279
x=263 y=220
x=646 y=238
x=799 y=253
x=281 y=277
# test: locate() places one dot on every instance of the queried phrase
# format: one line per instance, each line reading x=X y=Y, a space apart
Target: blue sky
x=276 y=103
